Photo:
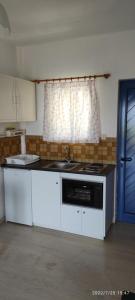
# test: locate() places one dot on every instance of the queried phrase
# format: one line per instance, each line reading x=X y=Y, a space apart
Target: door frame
x=121 y=146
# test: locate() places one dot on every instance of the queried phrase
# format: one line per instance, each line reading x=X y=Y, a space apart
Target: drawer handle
x=78 y=211
x=56 y=182
x=84 y=212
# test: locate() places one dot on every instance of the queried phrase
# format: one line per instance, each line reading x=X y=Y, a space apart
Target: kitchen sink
x=63 y=165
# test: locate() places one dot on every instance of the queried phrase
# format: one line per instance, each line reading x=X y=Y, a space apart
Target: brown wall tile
x=9 y=146
x=104 y=152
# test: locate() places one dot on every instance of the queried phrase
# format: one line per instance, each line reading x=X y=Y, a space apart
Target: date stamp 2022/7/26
x=109 y=293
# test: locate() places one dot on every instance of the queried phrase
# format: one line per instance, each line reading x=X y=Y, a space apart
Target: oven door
x=82 y=193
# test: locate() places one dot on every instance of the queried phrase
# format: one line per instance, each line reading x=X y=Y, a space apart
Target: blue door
x=126 y=152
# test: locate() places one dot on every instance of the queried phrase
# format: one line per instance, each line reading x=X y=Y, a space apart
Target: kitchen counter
x=71 y=200
x=42 y=165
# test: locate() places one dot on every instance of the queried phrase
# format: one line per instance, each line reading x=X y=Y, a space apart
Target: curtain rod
x=106 y=76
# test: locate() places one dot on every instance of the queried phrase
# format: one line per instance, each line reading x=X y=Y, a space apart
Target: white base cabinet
x=46 y=199
x=18 y=206
x=71 y=218
x=83 y=221
x=35 y=197
x=93 y=223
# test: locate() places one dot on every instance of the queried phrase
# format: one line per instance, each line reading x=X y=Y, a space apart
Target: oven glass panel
x=82 y=193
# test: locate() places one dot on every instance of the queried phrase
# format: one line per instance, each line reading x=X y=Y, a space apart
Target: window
x=71 y=112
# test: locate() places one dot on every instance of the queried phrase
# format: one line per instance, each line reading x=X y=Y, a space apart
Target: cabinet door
x=71 y=218
x=7 y=99
x=46 y=199
x=18 y=196
x=92 y=223
x=25 y=98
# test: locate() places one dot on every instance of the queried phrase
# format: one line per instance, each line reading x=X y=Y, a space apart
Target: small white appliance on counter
x=15 y=132
x=22 y=159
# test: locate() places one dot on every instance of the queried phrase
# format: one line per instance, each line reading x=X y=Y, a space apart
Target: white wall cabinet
x=18 y=196
x=25 y=100
x=46 y=199
x=17 y=100
x=7 y=99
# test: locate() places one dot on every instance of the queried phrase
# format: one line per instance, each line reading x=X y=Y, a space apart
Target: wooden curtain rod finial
x=107 y=75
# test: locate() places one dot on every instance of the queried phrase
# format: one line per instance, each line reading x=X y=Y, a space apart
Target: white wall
x=114 y=53
x=7 y=66
x=2 y=208
x=8 y=63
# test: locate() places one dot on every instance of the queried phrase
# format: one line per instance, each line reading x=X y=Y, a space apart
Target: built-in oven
x=82 y=193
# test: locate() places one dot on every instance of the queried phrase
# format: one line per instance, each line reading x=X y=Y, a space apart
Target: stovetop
x=93 y=168
x=98 y=169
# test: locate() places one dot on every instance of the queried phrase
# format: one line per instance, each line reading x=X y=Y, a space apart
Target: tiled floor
x=40 y=264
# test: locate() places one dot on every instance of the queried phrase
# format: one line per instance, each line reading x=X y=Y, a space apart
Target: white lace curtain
x=71 y=112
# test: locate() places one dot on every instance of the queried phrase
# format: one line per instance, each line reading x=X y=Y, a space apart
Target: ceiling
x=34 y=21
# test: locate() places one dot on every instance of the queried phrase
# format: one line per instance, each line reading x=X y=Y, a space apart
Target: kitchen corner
x=67 y=149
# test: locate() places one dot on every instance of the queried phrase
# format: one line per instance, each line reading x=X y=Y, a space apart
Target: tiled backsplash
x=105 y=151
x=9 y=146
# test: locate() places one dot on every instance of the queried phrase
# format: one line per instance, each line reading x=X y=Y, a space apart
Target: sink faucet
x=68 y=154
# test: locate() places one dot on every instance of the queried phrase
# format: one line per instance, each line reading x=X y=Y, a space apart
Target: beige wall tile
x=105 y=151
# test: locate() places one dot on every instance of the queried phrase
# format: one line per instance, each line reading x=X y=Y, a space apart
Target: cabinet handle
x=56 y=182
x=84 y=212
x=78 y=211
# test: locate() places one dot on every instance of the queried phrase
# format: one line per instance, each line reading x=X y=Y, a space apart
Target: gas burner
x=93 y=168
